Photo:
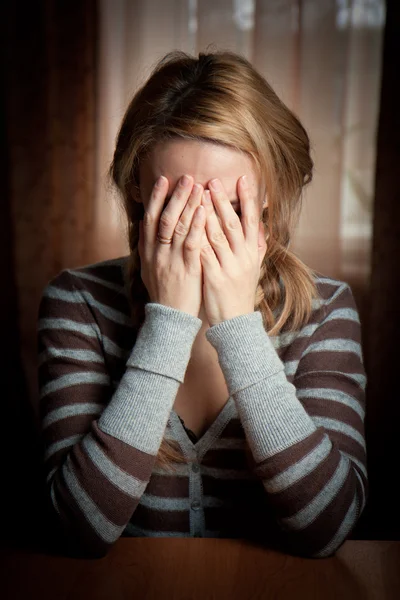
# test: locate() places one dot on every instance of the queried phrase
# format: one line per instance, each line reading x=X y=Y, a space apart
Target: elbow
x=317 y=541
x=330 y=550
x=76 y=547
x=313 y=549
x=86 y=552
x=63 y=541
x=84 y=545
x=327 y=532
x=68 y=534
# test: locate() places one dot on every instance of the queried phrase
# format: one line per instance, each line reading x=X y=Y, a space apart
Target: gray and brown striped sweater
x=107 y=394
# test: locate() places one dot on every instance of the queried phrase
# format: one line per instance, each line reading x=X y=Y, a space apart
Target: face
x=203 y=161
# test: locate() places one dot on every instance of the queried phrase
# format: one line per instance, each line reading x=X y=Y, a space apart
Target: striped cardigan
x=106 y=401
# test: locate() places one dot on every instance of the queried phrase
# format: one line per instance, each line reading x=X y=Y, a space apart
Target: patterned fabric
x=107 y=393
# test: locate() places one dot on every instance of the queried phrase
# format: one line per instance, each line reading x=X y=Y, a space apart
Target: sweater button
x=195 y=468
x=196 y=505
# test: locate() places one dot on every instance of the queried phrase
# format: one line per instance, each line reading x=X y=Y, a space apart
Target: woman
x=208 y=384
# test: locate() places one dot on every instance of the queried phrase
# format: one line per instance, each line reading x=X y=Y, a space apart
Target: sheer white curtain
x=322 y=57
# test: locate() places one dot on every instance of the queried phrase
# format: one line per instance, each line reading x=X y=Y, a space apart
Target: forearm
x=96 y=484
x=272 y=416
x=315 y=489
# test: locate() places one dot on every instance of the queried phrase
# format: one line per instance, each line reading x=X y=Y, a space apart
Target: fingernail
x=199 y=212
x=207 y=196
x=185 y=180
x=197 y=188
x=244 y=181
x=215 y=184
x=160 y=181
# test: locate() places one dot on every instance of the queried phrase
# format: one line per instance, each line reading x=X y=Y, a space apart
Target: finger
x=230 y=222
x=250 y=217
x=185 y=221
x=152 y=215
x=207 y=254
x=215 y=234
x=192 y=242
x=204 y=239
x=171 y=214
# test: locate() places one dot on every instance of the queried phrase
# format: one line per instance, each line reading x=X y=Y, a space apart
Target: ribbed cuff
x=139 y=409
x=272 y=416
x=245 y=352
x=138 y=412
x=164 y=342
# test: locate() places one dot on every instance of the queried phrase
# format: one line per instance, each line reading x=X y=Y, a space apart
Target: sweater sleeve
x=306 y=437
x=101 y=443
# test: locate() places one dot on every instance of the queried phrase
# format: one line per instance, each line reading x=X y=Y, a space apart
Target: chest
x=204 y=392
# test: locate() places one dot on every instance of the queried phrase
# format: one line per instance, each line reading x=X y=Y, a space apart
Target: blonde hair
x=220 y=97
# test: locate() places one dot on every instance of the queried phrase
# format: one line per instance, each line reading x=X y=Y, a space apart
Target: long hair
x=220 y=97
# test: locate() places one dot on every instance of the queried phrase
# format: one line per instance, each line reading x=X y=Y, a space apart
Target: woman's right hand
x=172 y=273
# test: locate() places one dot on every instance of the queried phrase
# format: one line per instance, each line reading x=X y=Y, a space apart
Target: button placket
x=196 y=500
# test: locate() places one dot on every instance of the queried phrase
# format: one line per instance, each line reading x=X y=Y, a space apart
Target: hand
x=232 y=258
x=172 y=272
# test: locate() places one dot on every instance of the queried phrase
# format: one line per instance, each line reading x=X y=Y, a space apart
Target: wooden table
x=192 y=569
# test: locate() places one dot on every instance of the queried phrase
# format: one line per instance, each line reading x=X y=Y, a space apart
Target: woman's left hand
x=232 y=258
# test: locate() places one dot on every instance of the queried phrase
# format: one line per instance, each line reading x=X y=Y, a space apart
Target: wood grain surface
x=189 y=569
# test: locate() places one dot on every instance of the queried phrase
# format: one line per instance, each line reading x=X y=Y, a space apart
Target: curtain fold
x=50 y=113
x=383 y=316
x=323 y=59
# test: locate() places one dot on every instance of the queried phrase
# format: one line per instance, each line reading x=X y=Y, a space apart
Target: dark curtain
x=382 y=332
x=48 y=117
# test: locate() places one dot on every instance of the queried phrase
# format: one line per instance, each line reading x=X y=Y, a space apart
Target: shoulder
x=334 y=314
x=110 y=274
x=333 y=295
x=100 y=284
x=331 y=340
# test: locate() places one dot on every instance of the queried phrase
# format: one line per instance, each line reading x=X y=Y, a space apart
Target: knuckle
x=190 y=244
x=181 y=229
x=165 y=221
x=218 y=238
x=233 y=223
x=207 y=248
x=251 y=220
